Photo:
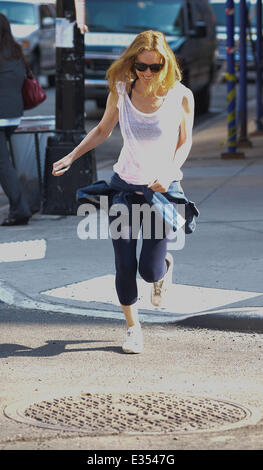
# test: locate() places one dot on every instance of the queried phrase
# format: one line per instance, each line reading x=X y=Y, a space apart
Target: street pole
x=70 y=73
x=231 y=85
x=59 y=193
x=243 y=138
x=259 y=67
x=259 y=124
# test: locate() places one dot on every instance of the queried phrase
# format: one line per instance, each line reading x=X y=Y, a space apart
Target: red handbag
x=33 y=94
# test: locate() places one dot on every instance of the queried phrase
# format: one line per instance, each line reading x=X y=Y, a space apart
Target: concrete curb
x=234 y=319
x=242 y=319
x=13 y=297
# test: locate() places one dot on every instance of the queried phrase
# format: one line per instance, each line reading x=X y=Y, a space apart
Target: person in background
x=12 y=74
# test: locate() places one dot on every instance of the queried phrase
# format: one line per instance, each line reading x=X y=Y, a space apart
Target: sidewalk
x=217 y=280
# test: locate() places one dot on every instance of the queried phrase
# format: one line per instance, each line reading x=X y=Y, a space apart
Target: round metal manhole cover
x=148 y=413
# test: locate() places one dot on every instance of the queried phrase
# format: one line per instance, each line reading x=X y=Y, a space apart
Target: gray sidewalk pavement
x=217 y=279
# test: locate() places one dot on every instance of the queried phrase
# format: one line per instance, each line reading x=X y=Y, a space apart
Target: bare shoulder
x=188 y=100
x=111 y=109
x=112 y=101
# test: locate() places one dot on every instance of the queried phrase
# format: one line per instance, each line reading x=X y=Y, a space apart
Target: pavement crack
x=221 y=185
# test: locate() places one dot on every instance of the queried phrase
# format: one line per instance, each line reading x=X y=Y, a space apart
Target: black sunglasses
x=141 y=66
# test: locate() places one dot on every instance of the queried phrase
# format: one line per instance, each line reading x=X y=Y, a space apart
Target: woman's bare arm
x=183 y=147
x=186 y=129
x=94 y=138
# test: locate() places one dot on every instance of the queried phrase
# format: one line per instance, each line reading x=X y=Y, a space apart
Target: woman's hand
x=83 y=28
x=159 y=186
x=62 y=165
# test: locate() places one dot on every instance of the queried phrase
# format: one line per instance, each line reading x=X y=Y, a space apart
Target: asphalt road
x=45 y=354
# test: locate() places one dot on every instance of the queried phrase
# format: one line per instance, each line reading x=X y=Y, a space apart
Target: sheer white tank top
x=149 y=139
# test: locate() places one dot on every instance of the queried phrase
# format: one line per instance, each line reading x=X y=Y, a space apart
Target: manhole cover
x=152 y=413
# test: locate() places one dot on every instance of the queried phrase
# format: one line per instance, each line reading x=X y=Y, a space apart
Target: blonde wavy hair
x=123 y=69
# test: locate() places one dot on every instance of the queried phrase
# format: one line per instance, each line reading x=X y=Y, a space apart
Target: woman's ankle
x=134 y=323
x=131 y=315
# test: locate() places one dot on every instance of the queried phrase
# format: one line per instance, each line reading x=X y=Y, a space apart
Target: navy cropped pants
x=151 y=264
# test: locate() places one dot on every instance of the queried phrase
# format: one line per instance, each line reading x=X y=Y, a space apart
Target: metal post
x=59 y=193
x=259 y=66
x=259 y=124
x=70 y=73
x=231 y=84
x=243 y=138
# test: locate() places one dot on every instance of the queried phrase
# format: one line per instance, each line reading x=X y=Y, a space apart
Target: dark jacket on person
x=118 y=192
x=12 y=74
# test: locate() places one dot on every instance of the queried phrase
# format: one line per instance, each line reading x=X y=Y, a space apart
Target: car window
x=19 y=13
x=135 y=16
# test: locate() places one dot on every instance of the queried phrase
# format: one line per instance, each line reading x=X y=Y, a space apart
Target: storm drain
x=152 y=413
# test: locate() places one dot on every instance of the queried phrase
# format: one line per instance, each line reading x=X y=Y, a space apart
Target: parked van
x=33 y=26
x=189 y=27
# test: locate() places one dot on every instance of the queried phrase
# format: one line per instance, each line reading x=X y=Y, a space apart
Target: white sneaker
x=133 y=342
x=159 y=288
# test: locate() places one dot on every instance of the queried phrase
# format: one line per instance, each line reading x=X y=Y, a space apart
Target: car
x=219 y=7
x=33 y=25
x=189 y=27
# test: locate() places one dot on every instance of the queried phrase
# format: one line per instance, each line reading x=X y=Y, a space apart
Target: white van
x=33 y=26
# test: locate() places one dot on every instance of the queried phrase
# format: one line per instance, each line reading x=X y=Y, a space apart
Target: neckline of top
x=141 y=112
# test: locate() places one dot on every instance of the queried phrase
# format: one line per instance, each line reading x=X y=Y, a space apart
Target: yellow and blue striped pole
x=259 y=69
x=259 y=72
x=231 y=111
x=231 y=84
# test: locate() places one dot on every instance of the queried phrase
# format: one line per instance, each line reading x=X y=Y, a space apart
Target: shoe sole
x=16 y=223
x=130 y=351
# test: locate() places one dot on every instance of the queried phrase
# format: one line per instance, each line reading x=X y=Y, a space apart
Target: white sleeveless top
x=149 y=139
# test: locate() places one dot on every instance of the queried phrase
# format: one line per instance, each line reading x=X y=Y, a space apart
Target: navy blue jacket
x=118 y=190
